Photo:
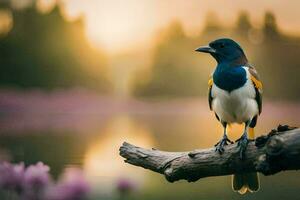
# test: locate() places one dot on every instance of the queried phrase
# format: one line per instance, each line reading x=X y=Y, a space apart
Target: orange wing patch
x=257 y=83
x=210 y=82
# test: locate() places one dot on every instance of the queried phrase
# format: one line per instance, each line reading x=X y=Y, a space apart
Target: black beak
x=206 y=49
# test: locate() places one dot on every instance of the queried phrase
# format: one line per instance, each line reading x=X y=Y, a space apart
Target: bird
x=235 y=96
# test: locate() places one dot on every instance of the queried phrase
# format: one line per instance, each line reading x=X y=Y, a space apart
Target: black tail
x=242 y=183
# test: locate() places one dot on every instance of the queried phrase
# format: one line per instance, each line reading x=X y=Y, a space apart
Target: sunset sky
x=118 y=25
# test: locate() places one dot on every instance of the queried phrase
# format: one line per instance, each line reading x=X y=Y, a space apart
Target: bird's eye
x=222 y=45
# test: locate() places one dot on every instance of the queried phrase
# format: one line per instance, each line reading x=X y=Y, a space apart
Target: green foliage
x=46 y=51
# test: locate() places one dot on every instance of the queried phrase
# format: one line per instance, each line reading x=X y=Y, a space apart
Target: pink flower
x=71 y=186
x=36 y=180
x=36 y=176
x=125 y=186
x=34 y=183
x=11 y=176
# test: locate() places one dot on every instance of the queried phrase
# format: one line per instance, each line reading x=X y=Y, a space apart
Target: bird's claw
x=223 y=142
x=242 y=144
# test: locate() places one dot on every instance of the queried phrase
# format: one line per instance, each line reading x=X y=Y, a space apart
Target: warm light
x=103 y=165
x=114 y=25
x=21 y=4
x=45 y=6
x=6 y=21
x=70 y=10
x=118 y=25
x=112 y=33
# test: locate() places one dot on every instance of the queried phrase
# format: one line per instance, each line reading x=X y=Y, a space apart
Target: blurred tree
x=177 y=71
x=270 y=26
x=212 y=24
x=175 y=32
x=278 y=58
x=46 y=51
x=212 y=29
x=243 y=25
x=4 y=4
x=173 y=72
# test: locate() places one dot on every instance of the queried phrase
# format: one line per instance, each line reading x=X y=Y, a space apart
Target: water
x=85 y=131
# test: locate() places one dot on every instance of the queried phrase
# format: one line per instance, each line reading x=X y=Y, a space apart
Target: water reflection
x=102 y=163
x=89 y=138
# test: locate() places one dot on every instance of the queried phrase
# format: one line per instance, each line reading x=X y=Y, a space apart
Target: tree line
x=45 y=51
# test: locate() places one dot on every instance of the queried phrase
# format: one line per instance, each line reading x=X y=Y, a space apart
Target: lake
x=77 y=128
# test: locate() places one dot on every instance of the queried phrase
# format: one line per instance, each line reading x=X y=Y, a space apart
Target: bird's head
x=225 y=51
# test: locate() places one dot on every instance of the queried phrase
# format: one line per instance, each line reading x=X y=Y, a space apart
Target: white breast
x=238 y=106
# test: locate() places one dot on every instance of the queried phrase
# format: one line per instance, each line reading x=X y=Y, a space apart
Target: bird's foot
x=242 y=144
x=223 y=142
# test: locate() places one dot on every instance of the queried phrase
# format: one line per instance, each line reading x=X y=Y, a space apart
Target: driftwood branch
x=275 y=152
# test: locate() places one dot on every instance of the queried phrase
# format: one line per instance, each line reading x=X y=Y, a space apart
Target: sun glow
x=45 y=6
x=117 y=25
x=102 y=159
x=112 y=25
x=112 y=33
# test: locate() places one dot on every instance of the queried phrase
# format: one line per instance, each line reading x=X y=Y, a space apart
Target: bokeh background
x=80 y=77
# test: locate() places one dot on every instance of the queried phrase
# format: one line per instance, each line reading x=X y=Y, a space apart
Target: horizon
x=118 y=27
x=134 y=24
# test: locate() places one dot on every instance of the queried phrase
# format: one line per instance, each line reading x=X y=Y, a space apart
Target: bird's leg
x=224 y=141
x=243 y=141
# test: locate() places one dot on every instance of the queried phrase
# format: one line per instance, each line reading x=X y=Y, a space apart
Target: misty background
x=78 y=78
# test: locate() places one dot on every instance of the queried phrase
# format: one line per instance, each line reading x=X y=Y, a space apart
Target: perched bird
x=235 y=96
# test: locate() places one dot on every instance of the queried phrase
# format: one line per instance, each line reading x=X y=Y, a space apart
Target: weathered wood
x=275 y=152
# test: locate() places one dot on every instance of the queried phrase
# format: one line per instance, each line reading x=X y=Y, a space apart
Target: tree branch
x=270 y=154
